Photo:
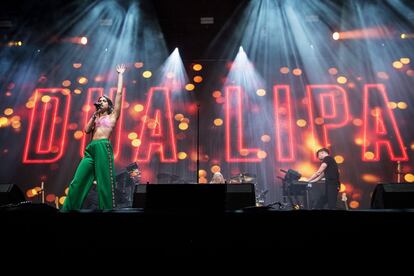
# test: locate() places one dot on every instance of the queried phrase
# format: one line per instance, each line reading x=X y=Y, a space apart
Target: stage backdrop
x=266 y=103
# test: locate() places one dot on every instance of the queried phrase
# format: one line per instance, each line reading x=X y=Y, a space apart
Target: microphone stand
x=43 y=192
x=399 y=172
x=198 y=144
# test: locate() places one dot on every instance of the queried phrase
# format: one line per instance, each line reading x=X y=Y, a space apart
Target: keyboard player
x=328 y=170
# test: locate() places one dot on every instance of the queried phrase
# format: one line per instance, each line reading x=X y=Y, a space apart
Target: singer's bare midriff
x=104 y=132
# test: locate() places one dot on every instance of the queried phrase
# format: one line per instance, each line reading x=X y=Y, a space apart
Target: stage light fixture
x=197 y=67
x=406 y=36
x=147 y=74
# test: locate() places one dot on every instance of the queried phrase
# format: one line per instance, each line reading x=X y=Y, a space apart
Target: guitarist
x=329 y=170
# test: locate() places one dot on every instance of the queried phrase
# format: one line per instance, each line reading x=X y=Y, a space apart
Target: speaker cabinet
x=393 y=196
x=239 y=196
x=194 y=197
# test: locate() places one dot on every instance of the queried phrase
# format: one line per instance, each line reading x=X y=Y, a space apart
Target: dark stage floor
x=239 y=233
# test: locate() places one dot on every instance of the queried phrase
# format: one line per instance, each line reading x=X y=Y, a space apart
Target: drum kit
x=243 y=178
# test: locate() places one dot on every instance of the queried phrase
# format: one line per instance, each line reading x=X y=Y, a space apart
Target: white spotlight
x=84 y=40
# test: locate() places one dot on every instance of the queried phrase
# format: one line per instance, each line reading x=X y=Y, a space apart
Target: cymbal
x=243 y=177
x=248 y=175
x=248 y=179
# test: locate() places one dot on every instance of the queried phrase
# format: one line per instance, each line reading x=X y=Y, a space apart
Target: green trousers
x=97 y=164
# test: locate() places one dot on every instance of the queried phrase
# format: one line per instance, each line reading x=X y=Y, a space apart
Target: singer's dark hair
x=322 y=150
x=110 y=104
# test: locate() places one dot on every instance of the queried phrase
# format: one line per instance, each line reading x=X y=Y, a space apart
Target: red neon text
x=380 y=126
x=52 y=119
x=157 y=132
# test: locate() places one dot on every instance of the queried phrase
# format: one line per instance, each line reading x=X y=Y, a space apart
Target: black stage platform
x=239 y=233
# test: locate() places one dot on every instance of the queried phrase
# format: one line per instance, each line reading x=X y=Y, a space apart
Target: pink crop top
x=103 y=122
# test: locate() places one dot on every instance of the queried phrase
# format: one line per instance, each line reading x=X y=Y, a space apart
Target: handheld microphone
x=97 y=105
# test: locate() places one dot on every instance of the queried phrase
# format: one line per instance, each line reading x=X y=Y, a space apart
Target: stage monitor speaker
x=393 y=196
x=194 y=197
x=179 y=197
x=10 y=194
x=239 y=196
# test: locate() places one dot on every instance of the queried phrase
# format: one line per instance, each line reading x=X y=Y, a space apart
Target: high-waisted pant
x=97 y=164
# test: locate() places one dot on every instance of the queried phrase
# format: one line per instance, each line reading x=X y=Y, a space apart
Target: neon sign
x=327 y=109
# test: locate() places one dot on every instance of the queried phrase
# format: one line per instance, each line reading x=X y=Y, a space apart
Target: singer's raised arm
x=118 y=99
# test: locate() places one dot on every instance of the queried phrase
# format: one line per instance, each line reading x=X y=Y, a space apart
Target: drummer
x=217 y=178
